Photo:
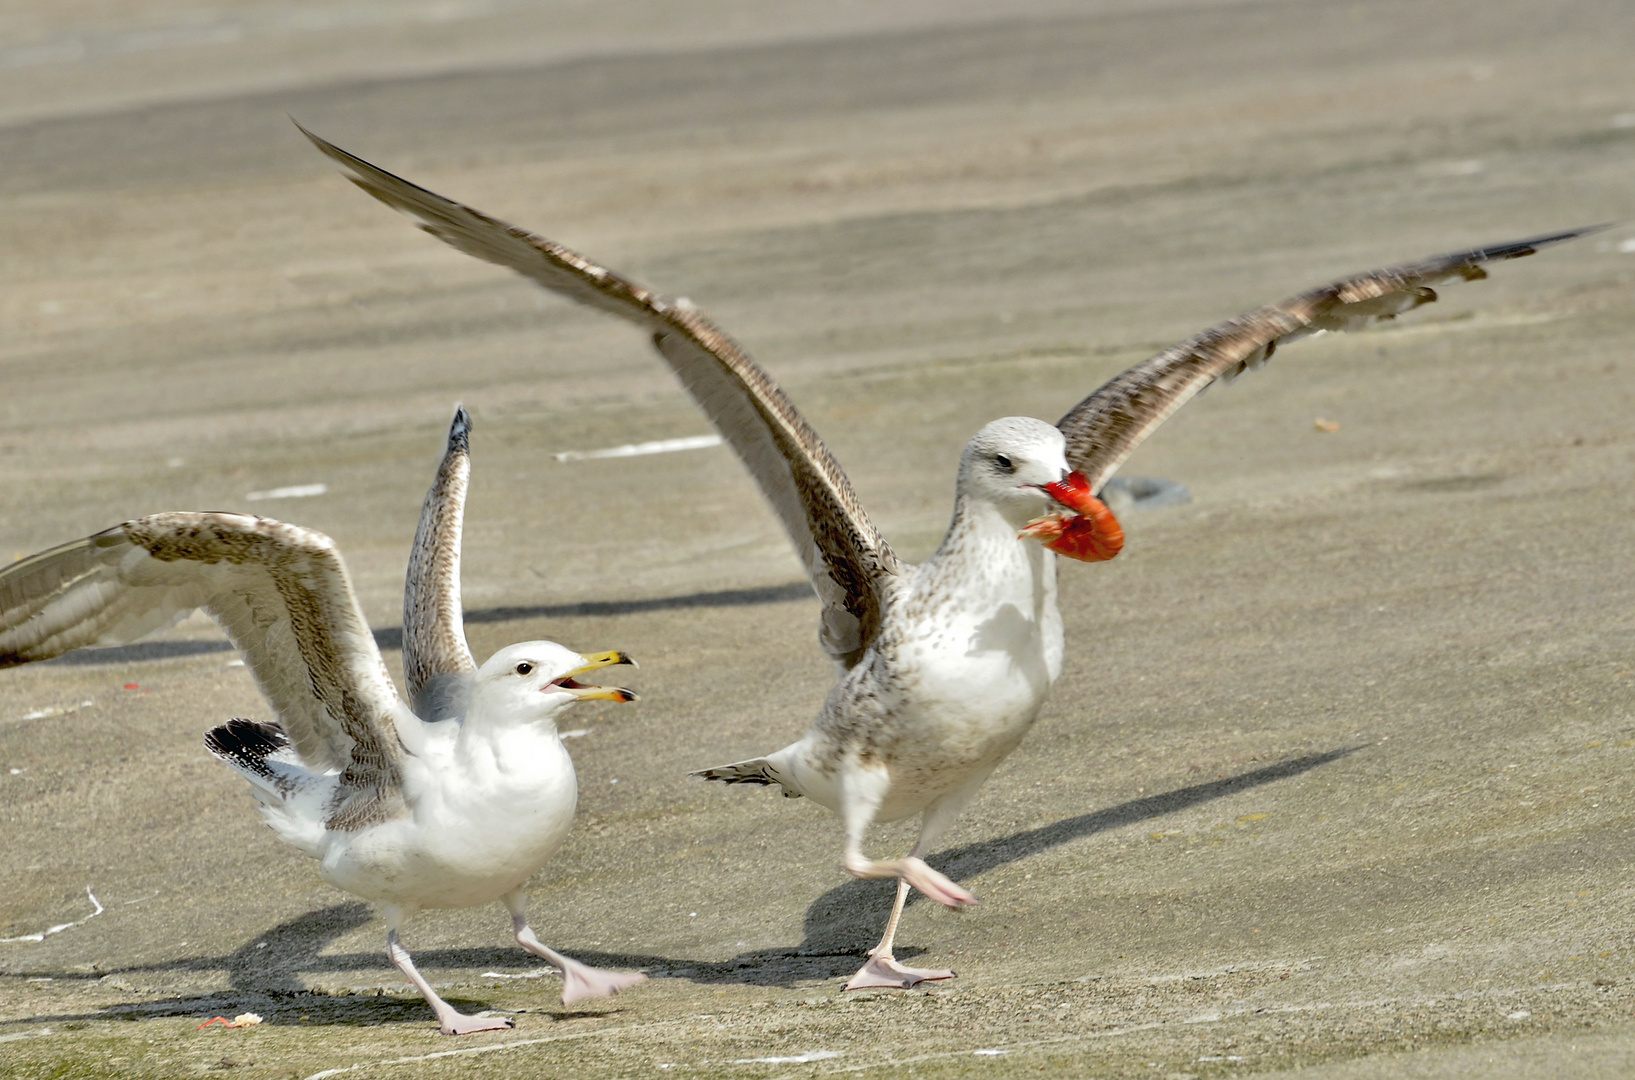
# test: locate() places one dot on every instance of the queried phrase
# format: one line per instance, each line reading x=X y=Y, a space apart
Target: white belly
x=951 y=705
x=480 y=825
x=975 y=693
x=958 y=674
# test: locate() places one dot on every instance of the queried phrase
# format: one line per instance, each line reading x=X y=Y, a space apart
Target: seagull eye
x=1004 y=463
x=524 y=668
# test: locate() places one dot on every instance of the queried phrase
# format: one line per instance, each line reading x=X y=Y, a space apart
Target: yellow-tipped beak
x=594 y=662
x=601 y=693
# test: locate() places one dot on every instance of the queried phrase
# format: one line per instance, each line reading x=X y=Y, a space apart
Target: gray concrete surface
x=1335 y=782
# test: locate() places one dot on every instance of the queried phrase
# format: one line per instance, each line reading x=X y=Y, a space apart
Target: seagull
x=942 y=667
x=453 y=800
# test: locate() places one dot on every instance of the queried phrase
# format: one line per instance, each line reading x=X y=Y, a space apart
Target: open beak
x=1090 y=533
x=1071 y=496
x=1071 y=491
x=594 y=662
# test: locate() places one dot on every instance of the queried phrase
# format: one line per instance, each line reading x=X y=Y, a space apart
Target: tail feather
x=292 y=797
x=762 y=771
x=247 y=745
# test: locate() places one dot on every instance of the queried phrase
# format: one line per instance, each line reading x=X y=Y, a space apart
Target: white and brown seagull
x=945 y=665
x=453 y=800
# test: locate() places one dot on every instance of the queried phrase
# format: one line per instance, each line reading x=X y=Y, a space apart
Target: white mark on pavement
x=1081 y=1037
x=465 y=1051
x=60 y=927
x=540 y=974
x=56 y=710
x=662 y=446
x=296 y=491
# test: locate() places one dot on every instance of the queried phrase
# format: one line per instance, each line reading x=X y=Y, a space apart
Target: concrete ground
x=1336 y=782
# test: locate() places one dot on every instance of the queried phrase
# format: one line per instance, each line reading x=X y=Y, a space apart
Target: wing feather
x=850 y=564
x=437 y=662
x=282 y=595
x=1106 y=427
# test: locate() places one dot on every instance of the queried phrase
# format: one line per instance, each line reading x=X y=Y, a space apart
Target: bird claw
x=885 y=973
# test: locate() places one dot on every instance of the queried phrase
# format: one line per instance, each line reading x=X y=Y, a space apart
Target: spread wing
x=282 y=594
x=437 y=663
x=850 y=565
x=1104 y=428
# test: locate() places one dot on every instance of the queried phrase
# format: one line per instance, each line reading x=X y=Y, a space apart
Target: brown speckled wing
x=437 y=663
x=1104 y=428
x=281 y=593
x=850 y=564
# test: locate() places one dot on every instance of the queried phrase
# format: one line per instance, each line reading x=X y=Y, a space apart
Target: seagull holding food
x=943 y=666
x=451 y=801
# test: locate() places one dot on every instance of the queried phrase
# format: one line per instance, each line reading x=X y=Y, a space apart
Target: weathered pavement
x=1336 y=779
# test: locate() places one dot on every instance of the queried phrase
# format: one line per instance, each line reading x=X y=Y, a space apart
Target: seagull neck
x=483 y=728
x=981 y=534
x=495 y=712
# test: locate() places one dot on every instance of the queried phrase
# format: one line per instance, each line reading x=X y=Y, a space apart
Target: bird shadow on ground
x=854 y=912
x=391 y=637
x=268 y=970
x=266 y=976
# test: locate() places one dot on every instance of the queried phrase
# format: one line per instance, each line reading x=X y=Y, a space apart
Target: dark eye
x=524 y=668
x=1004 y=463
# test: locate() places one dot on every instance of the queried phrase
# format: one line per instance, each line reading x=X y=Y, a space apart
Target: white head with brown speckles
x=1007 y=464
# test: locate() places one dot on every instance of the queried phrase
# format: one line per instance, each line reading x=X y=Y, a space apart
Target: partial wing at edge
x=1104 y=428
x=283 y=596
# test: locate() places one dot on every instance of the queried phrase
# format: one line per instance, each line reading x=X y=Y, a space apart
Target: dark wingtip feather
x=1522 y=248
x=246 y=744
x=459 y=432
x=362 y=169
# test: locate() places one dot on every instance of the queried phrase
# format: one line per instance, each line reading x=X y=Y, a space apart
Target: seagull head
x=1009 y=464
x=538 y=680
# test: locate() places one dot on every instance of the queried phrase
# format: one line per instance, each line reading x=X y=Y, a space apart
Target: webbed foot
x=884 y=972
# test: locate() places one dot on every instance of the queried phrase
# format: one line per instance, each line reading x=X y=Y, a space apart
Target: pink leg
x=883 y=971
x=862 y=792
x=579 y=981
x=449 y=1019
